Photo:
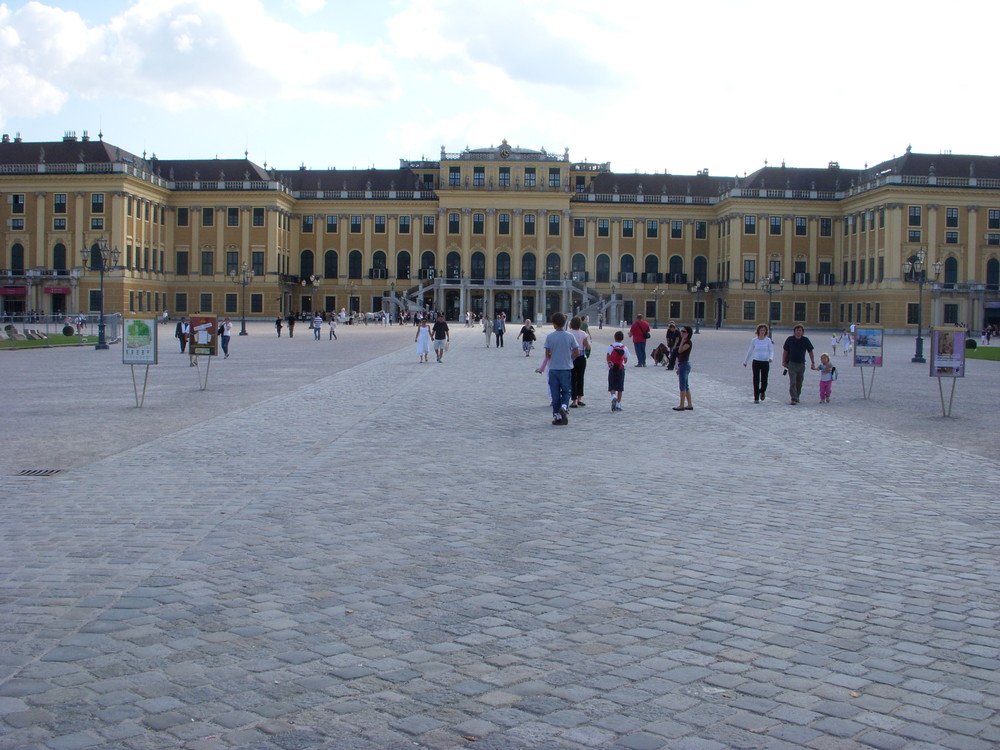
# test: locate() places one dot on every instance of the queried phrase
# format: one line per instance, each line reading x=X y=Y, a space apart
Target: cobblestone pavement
x=339 y=547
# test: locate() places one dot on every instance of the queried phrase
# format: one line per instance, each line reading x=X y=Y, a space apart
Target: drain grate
x=37 y=472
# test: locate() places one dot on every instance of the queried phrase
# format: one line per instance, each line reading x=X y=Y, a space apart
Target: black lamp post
x=243 y=277
x=914 y=271
x=698 y=289
x=314 y=281
x=656 y=294
x=772 y=287
x=103 y=260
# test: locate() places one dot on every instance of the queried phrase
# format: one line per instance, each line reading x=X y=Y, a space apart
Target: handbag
x=646 y=335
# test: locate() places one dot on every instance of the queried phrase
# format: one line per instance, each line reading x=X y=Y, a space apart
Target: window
x=231 y=302
x=799 y=312
x=404 y=224
x=256 y=302
x=881 y=268
x=454 y=176
x=145 y=211
x=503 y=223
x=17 y=203
x=479 y=176
x=676 y=229
x=749 y=224
x=749 y=310
x=916 y=216
x=207 y=217
x=951 y=238
x=529 y=224
x=182 y=263
x=207 y=262
x=581 y=184
x=951 y=217
x=912 y=313
x=96 y=223
x=380 y=225
x=331 y=224
x=579 y=227
x=775 y=225
x=993 y=238
x=97 y=203
x=749 y=271
x=554 y=179
x=993 y=218
x=775 y=311
x=951 y=314
x=801 y=226
x=453 y=223
x=205 y=302
x=257 y=260
x=774 y=269
x=700 y=230
x=652 y=229
x=675 y=308
x=529 y=177
x=308 y=223
x=18 y=224
x=628 y=228
x=504 y=176
x=232 y=261
x=181 y=302
x=825 y=227
x=428 y=225
x=825 y=311
x=478 y=223
x=233 y=218
x=554 y=225
x=59 y=203
x=59 y=224
x=603 y=228
x=258 y=216
x=355 y=225
x=913 y=235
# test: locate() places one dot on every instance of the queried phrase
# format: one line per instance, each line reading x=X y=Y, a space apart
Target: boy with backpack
x=617 y=357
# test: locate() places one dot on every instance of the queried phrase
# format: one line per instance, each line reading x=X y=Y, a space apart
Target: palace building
x=502 y=229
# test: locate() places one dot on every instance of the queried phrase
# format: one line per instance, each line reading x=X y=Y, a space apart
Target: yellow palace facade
x=501 y=229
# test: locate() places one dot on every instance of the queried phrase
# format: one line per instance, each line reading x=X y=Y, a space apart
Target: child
x=617 y=357
x=827 y=372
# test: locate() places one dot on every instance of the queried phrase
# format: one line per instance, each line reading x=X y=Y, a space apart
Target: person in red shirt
x=639 y=333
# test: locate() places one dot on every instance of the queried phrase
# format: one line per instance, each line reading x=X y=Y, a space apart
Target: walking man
x=560 y=351
x=793 y=359
x=441 y=336
x=317 y=326
x=182 y=332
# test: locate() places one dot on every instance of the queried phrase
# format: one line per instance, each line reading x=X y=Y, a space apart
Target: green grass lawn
x=53 y=340
x=984 y=352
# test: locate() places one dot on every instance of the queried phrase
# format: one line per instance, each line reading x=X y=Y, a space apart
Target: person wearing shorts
x=441 y=337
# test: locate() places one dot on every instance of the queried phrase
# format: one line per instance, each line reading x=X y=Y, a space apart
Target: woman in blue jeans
x=684 y=368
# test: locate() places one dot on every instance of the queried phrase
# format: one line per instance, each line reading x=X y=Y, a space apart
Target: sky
x=650 y=86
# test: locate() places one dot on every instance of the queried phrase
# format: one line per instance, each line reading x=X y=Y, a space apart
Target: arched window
x=651 y=264
x=17 y=257
x=354 y=265
x=503 y=266
x=330 y=264
x=701 y=269
x=478 y=270
x=307 y=266
x=676 y=265
x=528 y=267
x=59 y=257
x=603 y=269
x=378 y=259
x=627 y=264
x=578 y=263
x=951 y=271
x=552 y=267
x=993 y=273
x=403 y=264
x=453 y=265
x=427 y=264
x=96 y=261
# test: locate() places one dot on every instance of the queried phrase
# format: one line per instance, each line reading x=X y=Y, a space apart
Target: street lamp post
x=243 y=277
x=314 y=281
x=105 y=259
x=772 y=287
x=915 y=270
x=698 y=289
x=656 y=294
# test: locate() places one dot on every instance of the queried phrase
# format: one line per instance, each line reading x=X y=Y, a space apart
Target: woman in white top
x=761 y=351
x=423 y=339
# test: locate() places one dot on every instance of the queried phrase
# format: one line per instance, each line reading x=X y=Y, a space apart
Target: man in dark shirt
x=441 y=337
x=793 y=359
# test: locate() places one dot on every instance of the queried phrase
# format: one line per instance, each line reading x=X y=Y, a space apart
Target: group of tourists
x=793 y=361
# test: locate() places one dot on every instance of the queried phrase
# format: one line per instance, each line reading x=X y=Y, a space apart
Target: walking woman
x=761 y=351
x=487 y=329
x=423 y=339
x=580 y=363
x=684 y=368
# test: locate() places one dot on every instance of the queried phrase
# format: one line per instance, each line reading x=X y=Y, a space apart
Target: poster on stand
x=868 y=346
x=204 y=335
x=948 y=352
x=139 y=344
